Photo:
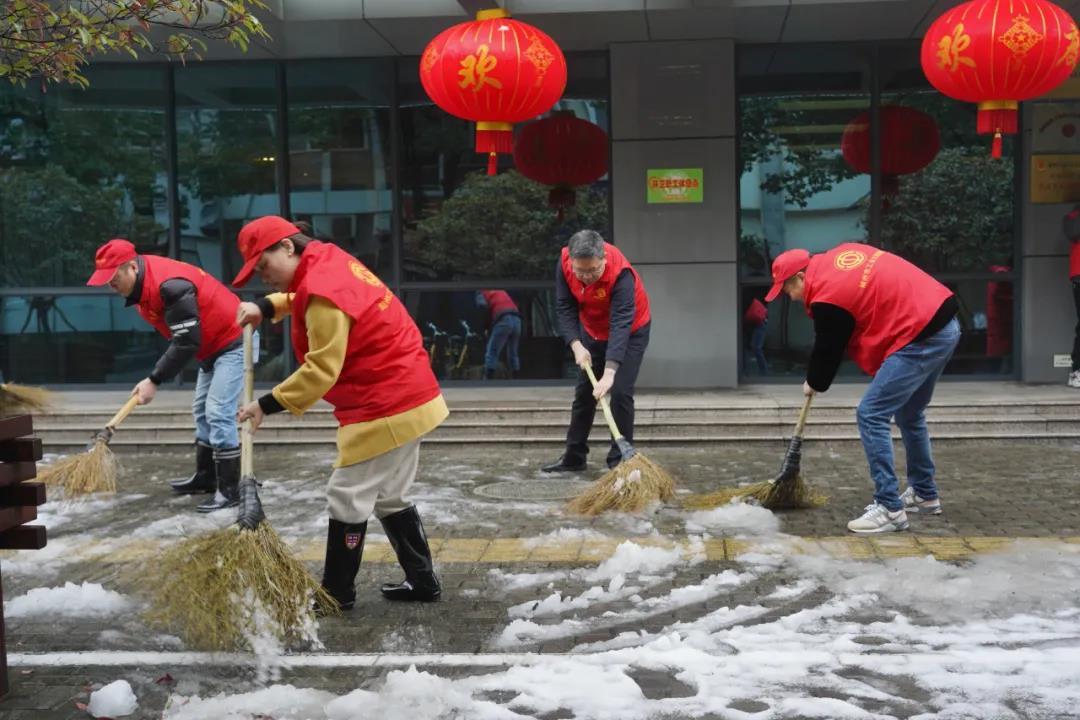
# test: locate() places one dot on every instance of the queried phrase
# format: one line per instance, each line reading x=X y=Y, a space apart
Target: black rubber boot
x=344 y=549
x=227 y=462
x=406 y=535
x=205 y=478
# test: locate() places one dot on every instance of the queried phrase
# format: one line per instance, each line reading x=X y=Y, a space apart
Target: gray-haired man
x=603 y=315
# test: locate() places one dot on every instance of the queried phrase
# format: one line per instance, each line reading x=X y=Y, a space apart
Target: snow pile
x=735 y=517
x=71 y=600
x=113 y=701
x=562 y=536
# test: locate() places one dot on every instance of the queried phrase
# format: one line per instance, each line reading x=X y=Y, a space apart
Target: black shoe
x=489 y=373
x=563 y=465
x=227 y=462
x=406 y=535
x=205 y=478
x=344 y=549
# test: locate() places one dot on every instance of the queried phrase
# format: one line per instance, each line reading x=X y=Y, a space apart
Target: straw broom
x=632 y=485
x=94 y=470
x=787 y=491
x=23 y=398
x=223 y=588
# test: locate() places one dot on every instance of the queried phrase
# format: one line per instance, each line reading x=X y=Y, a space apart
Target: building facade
x=328 y=124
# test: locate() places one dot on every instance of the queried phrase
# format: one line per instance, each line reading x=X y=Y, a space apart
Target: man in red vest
x=363 y=354
x=504 y=331
x=1072 y=232
x=198 y=316
x=899 y=325
x=603 y=315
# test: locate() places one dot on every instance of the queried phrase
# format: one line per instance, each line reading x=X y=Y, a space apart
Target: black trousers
x=621 y=396
x=1076 y=337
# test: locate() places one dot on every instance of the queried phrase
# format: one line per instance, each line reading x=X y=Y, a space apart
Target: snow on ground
x=71 y=600
x=114 y=700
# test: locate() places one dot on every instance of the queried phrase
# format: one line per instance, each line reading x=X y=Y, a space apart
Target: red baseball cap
x=256 y=236
x=109 y=258
x=784 y=267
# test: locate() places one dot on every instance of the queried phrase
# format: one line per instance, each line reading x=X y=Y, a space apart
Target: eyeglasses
x=587 y=272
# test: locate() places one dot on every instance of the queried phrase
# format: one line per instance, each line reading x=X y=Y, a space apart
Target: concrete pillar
x=673 y=106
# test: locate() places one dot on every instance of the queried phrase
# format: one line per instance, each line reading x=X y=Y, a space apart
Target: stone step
x=150 y=417
x=317 y=431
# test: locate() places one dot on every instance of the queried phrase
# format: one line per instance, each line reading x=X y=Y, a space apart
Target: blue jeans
x=902 y=389
x=757 y=345
x=506 y=332
x=217 y=396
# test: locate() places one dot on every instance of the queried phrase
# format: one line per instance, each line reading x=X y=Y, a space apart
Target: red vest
x=890 y=299
x=756 y=314
x=1074 y=259
x=217 y=304
x=386 y=370
x=498 y=302
x=594 y=301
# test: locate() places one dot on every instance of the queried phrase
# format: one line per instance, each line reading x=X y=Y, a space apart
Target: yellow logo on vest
x=364 y=274
x=849 y=260
x=600 y=294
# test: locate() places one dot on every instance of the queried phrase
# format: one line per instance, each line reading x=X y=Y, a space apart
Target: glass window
x=974 y=230
x=226 y=138
x=78 y=167
x=84 y=338
x=457 y=327
x=986 y=321
x=461 y=224
x=340 y=155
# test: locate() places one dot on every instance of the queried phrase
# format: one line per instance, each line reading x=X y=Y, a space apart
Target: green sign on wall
x=674 y=185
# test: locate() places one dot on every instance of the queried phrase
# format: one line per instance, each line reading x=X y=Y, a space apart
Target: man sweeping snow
x=198 y=315
x=899 y=325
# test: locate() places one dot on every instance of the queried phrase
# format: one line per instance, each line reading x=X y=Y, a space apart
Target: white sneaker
x=916 y=504
x=879 y=519
x=1074 y=379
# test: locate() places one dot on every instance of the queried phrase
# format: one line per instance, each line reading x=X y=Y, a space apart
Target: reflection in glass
x=78 y=167
x=456 y=327
x=339 y=155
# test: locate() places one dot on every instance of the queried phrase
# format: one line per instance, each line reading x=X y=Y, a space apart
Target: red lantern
x=997 y=53
x=563 y=151
x=496 y=72
x=909 y=142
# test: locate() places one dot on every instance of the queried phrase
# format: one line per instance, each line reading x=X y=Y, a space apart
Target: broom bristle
x=93 y=471
x=200 y=585
x=630 y=486
x=794 y=494
x=23 y=398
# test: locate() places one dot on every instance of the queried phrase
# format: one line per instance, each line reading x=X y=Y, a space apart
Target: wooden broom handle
x=247 y=455
x=801 y=424
x=604 y=404
x=123 y=412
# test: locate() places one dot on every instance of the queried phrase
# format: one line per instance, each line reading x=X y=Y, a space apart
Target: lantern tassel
x=493 y=163
x=995 y=146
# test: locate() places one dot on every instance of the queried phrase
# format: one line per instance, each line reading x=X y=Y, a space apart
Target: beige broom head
x=631 y=486
x=23 y=398
x=93 y=471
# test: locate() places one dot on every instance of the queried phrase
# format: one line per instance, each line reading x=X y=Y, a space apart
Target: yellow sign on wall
x=1055 y=179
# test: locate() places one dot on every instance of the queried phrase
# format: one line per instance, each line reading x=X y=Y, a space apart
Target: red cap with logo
x=109 y=258
x=256 y=236
x=786 y=266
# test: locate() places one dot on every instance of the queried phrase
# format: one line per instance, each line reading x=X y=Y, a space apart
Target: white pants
x=377 y=485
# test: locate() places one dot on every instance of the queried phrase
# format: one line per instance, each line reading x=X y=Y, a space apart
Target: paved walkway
x=732 y=613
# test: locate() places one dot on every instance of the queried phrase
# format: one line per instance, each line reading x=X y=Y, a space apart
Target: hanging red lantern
x=563 y=151
x=494 y=71
x=909 y=142
x=997 y=53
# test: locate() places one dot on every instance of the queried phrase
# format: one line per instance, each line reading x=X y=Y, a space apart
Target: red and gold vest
x=217 y=304
x=594 y=301
x=890 y=299
x=386 y=370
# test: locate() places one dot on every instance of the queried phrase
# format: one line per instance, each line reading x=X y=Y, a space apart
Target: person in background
x=504 y=331
x=1072 y=232
x=756 y=325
